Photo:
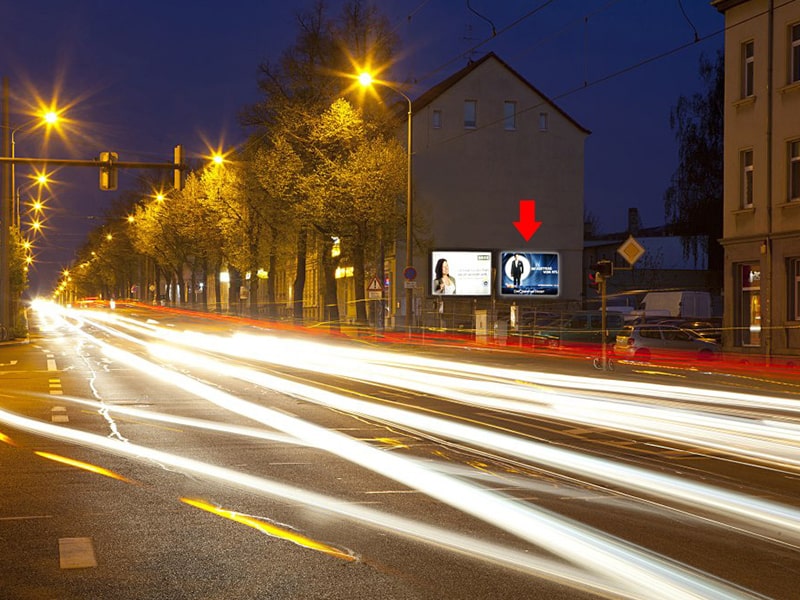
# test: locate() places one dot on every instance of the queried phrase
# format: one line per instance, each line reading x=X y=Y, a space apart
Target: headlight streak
x=467 y=545
x=747 y=512
x=149 y=415
x=780 y=521
x=630 y=567
x=772 y=446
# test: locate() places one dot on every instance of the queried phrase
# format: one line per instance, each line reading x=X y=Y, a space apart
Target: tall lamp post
x=366 y=80
x=8 y=199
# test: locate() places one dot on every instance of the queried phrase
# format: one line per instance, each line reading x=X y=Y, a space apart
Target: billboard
x=461 y=272
x=525 y=273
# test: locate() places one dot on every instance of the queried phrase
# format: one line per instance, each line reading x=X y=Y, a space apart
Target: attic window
x=436 y=119
x=470 y=114
x=543 y=121
x=509 y=115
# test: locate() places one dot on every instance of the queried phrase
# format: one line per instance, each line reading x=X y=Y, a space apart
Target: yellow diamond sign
x=631 y=250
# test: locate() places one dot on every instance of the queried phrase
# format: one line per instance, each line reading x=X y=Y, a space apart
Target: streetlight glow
x=365 y=79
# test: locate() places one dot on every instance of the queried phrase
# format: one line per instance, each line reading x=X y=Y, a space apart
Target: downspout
x=769 y=278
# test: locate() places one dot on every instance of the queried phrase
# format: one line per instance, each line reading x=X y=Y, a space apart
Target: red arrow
x=527 y=224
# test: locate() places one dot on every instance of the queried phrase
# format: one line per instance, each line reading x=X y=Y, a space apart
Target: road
x=148 y=453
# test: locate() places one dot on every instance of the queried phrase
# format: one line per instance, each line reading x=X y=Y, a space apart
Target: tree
x=354 y=189
x=302 y=85
x=693 y=203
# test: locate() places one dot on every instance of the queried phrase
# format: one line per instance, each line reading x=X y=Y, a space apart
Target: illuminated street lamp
x=37 y=205
x=366 y=80
x=7 y=198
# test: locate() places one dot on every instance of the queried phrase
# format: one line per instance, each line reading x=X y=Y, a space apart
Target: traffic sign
x=374 y=285
x=631 y=250
x=410 y=273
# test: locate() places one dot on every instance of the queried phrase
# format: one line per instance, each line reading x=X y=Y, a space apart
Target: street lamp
x=7 y=198
x=366 y=80
x=41 y=180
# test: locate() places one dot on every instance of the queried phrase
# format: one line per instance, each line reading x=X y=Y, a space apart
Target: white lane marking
x=51 y=363
x=76 y=553
x=58 y=413
x=8 y=364
x=26 y=517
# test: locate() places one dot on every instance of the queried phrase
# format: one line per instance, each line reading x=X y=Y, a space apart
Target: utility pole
x=6 y=202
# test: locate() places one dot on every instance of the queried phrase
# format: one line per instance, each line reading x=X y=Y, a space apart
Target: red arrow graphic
x=527 y=224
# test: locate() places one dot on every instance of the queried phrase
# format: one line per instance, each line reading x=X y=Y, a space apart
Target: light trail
x=739 y=511
x=604 y=556
x=521 y=392
x=522 y=561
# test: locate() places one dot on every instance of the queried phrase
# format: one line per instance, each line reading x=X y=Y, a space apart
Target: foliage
x=693 y=203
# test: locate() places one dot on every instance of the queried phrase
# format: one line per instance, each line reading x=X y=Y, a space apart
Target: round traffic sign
x=410 y=273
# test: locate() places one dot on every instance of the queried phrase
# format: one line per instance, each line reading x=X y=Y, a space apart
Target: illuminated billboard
x=461 y=273
x=524 y=273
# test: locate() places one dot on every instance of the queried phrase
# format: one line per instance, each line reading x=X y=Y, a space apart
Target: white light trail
x=627 y=566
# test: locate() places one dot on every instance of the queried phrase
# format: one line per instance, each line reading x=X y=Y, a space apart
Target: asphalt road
x=152 y=454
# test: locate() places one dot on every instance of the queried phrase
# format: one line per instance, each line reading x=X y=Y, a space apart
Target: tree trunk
x=329 y=263
x=272 y=309
x=300 y=275
x=359 y=276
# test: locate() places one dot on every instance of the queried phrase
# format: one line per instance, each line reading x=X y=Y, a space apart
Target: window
x=509 y=115
x=748 y=330
x=436 y=119
x=470 y=114
x=793 y=289
x=794 y=171
x=746 y=159
x=542 y=121
x=748 y=65
x=794 y=59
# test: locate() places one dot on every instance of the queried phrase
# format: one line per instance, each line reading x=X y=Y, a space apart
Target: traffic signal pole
x=107 y=163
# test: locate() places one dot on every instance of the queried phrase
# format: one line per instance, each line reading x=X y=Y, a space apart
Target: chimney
x=634 y=223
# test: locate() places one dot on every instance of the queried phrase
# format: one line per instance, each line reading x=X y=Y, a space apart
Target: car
x=643 y=341
x=580 y=328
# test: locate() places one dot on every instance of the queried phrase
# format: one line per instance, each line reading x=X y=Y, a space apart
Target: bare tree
x=693 y=203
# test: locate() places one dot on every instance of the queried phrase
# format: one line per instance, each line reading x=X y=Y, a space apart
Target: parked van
x=679 y=304
x=584 y=327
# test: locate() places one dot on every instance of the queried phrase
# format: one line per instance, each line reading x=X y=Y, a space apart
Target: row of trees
x=322 y=163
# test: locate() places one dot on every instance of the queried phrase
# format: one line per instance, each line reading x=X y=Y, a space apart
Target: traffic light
x=604 y=269
x=178 y=178
x=593 y=284
x=108 y=172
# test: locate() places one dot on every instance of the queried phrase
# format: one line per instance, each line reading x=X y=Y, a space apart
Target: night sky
x=140 y=77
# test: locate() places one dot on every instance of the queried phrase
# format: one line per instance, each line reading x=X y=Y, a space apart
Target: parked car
x=584 y=327
x=644 y=341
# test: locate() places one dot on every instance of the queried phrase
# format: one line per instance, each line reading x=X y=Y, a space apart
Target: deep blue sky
x=143 y=76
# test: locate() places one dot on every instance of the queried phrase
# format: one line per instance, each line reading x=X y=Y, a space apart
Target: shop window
x=748 y=327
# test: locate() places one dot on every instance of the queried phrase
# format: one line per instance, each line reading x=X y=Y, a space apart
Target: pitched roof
x=437 y=90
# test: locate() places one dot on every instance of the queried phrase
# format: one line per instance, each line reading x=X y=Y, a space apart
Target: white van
x=682 y=304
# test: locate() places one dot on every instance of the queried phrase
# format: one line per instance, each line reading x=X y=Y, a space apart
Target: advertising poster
x=461 y=273
x=525 y=273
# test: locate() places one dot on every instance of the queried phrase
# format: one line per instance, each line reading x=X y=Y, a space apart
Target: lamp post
x=8 y=212
x=366 y=80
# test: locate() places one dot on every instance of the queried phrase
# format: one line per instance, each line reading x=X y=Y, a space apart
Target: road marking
x=76 y=553
x=55 y=390
x=26 y=517
x=8 y=364
x=51 y=362
x=58 y=413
